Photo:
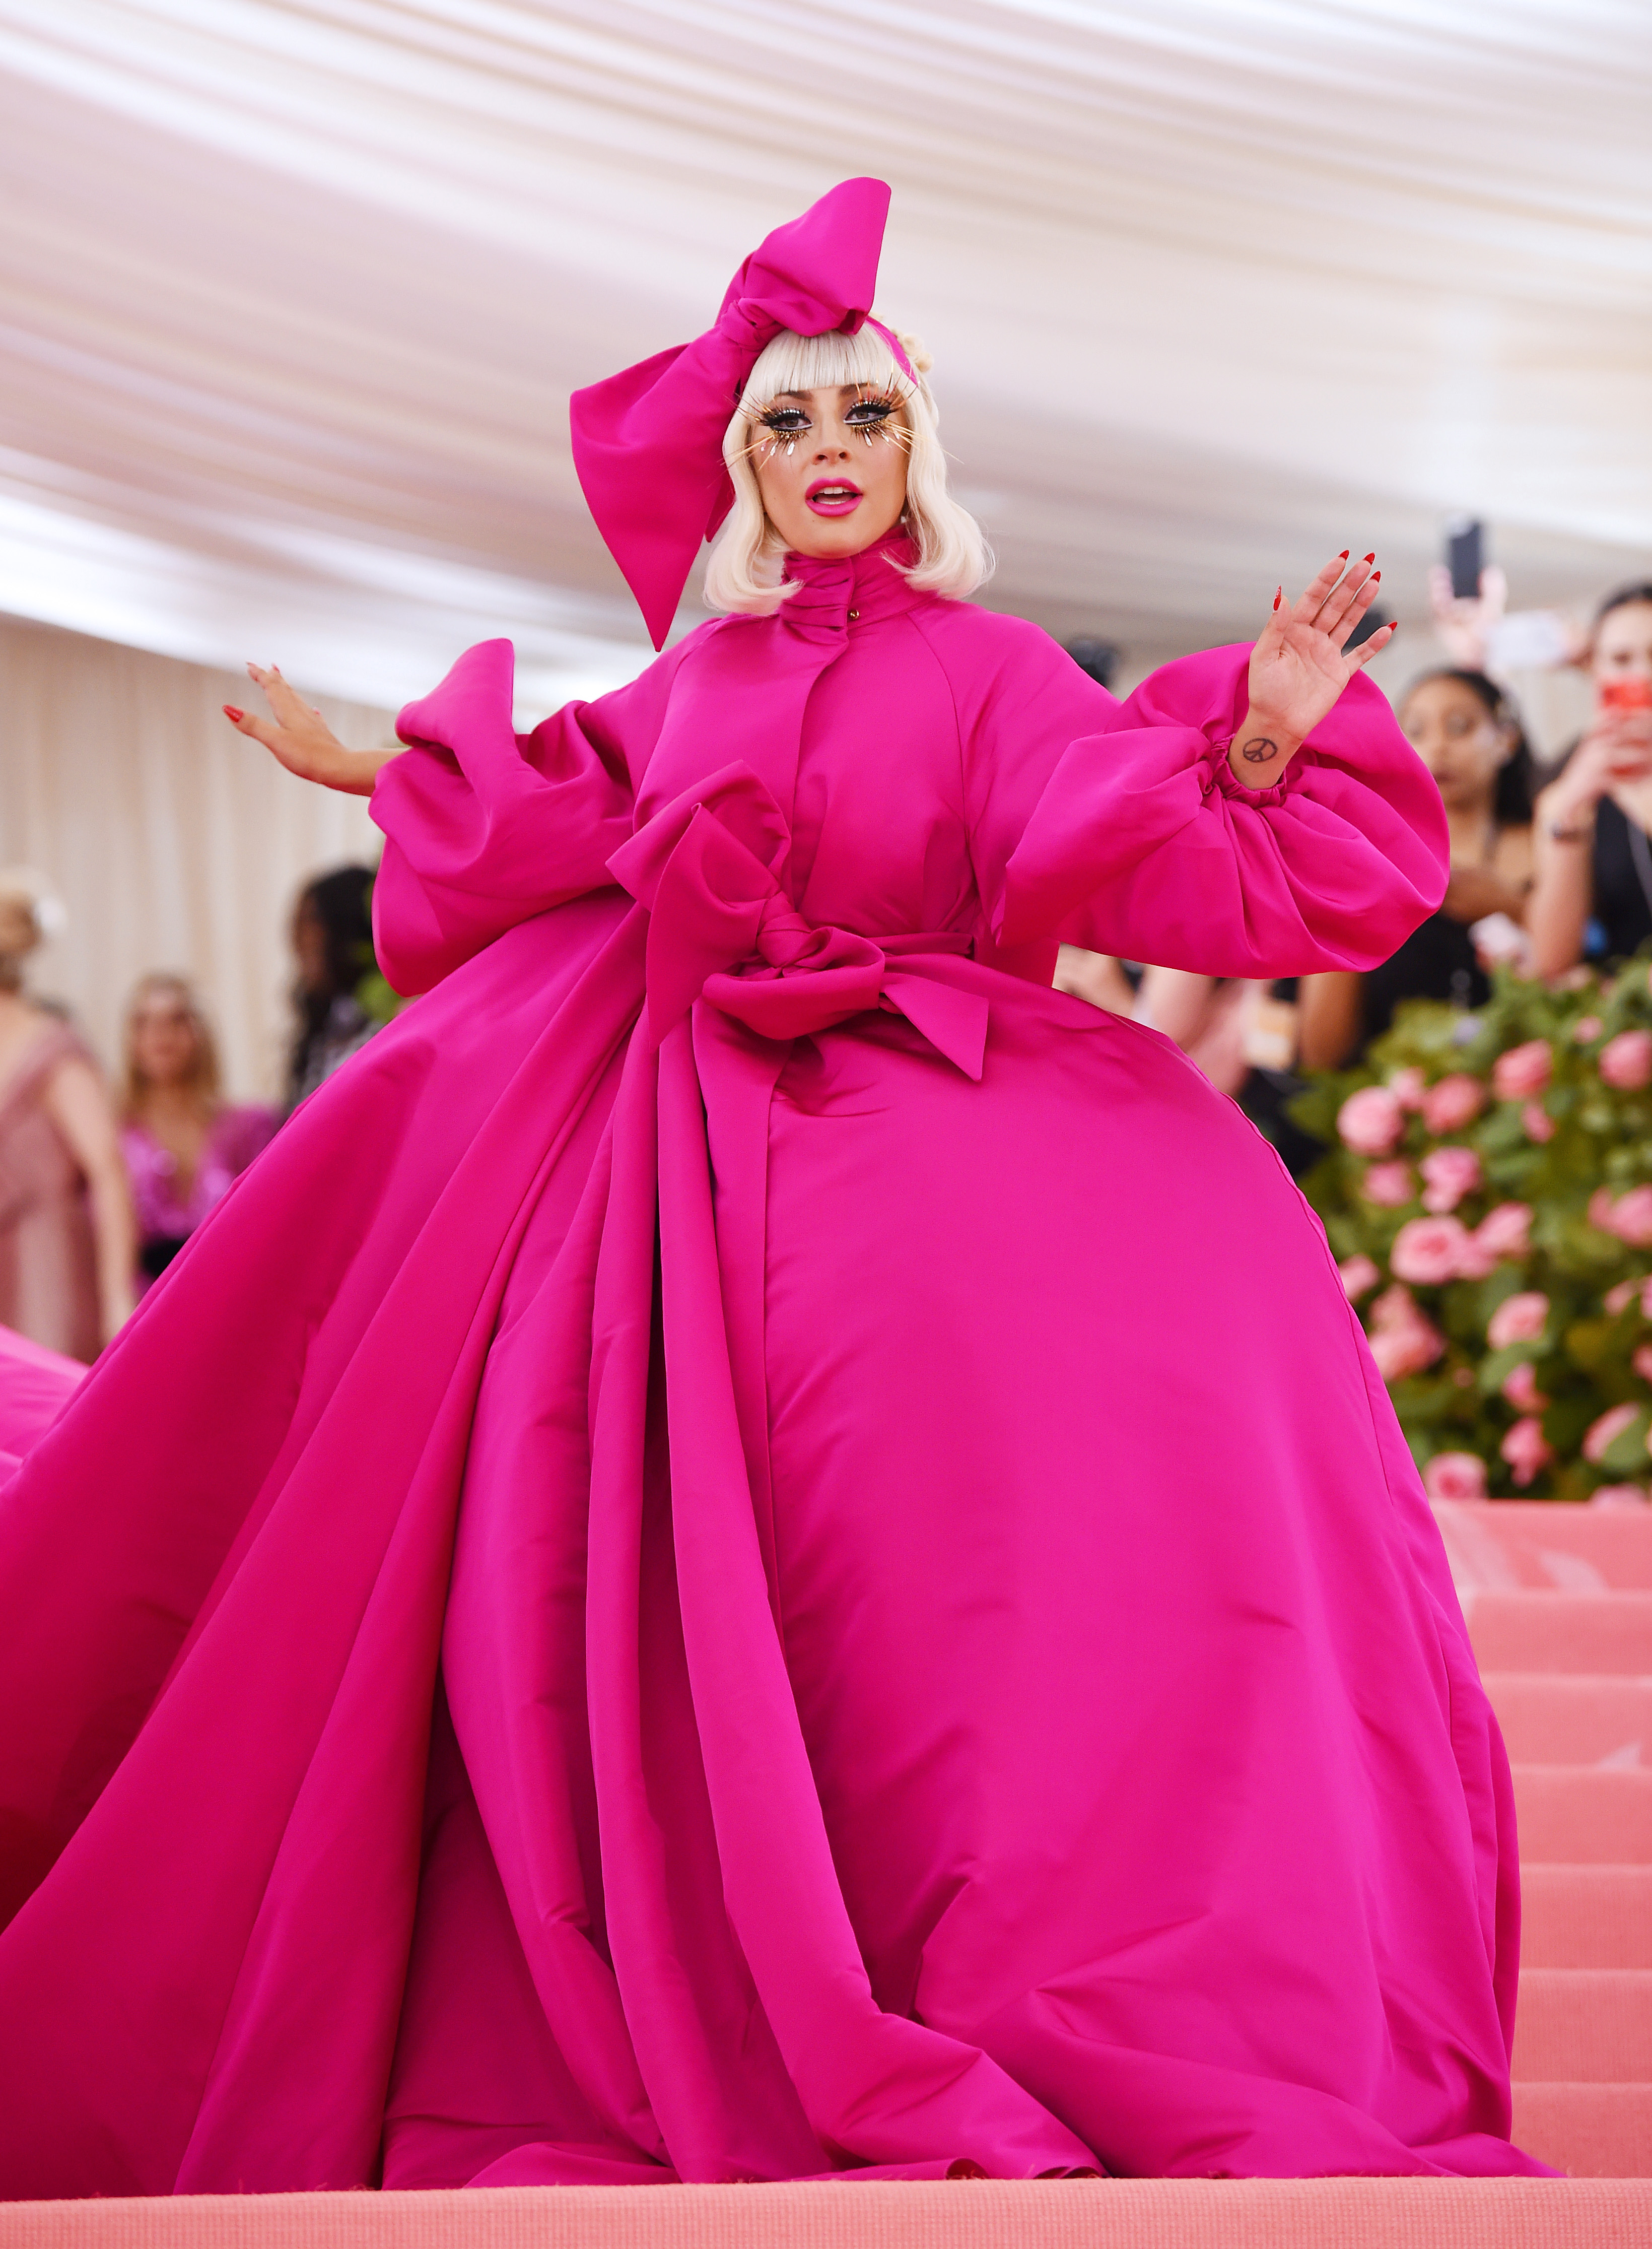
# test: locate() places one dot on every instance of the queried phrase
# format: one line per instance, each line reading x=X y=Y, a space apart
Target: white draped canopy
x=293 y=296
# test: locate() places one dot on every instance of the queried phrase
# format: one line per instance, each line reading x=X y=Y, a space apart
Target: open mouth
x=834 y=496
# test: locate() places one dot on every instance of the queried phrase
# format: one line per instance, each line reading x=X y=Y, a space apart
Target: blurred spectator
x=342 y=998
x=1593 y=893
x=66 y=1213
x=1099 y=657
x=1468 y=733
x=183 y=1145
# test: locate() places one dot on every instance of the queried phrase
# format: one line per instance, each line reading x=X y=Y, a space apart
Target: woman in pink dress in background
x=183 y=1144
x=759 y=1547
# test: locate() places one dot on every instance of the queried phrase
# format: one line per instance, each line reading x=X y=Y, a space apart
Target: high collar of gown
x=838 y=592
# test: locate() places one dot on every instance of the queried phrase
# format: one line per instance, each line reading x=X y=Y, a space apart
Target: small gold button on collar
x=853 y=614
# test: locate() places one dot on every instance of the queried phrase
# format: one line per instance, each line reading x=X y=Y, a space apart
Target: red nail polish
x=1343 y=556
x=1370 y=558
x=1278 y=597
x=230 y=712
x=1376 y=577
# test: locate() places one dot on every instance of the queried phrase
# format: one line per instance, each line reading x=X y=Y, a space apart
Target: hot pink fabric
x=647 y=443
x=758 y=1546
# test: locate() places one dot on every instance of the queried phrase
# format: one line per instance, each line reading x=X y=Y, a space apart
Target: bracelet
x=1560 y=834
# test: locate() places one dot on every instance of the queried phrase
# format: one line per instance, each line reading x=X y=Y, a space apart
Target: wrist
x=1261 y=749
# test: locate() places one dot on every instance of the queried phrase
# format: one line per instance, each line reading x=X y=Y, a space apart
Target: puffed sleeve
x=483 y=827
x=1141 y=842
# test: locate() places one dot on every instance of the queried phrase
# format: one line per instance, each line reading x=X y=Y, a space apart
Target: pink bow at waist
x=721 y=928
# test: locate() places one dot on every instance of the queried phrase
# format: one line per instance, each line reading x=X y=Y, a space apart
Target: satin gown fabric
x=756 y=1546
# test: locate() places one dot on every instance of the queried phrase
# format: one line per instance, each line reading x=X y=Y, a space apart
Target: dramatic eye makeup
x=783 y=422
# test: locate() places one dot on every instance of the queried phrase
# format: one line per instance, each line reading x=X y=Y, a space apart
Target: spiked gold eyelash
x=779 y=429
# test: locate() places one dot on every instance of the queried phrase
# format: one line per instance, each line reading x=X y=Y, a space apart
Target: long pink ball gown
x=758 y=1546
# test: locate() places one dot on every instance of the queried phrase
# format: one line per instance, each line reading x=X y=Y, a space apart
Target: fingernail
x=230 y=712
x=1371 y=557
x=1278 y=597
x=1376 y=577
x=1343 y=556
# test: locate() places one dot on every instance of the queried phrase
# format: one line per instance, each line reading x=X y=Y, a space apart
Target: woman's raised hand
x=301 y=739
x=1298 y=667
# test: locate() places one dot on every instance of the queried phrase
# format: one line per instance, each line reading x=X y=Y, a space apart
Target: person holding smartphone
x=1592 y=889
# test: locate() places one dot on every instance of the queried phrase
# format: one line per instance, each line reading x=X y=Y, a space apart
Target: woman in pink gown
x=758 y=1547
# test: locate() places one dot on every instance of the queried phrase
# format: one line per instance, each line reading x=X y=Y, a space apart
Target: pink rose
x=1455 y=1101
x=1403 y=1341
x=1537 y=1123
x=1599 y=1210
x=1586 y=1029
x=1629 y=1217
x=1409 y=1088
x=1626 y=1061
x=1526 y=1449
x=1455 y=1476
x=1601 y=1434
x=1505 y=1232
x=1642 y=1362
x=1389 y=1185
x=1619 y=1299
x=1371 y=1121
x=1618 y=1495
x=1519 y=1318
x=1520 y=1388
x=1451 y=1173
x=1430 y=1250
x=1400 y=1352
x=1360 y=1277
x=1523 y=1071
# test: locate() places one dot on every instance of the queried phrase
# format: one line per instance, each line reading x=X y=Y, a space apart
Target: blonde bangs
x=743 y=576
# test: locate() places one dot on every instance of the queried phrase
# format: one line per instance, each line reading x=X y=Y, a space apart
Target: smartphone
x=1634 y=694
x=1465 y=558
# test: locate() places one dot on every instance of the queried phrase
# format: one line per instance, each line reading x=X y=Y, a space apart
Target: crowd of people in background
x=100 y=1189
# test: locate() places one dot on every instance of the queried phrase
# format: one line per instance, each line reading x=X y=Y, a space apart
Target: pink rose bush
x=1403 y=1341
x=1360 y=1275
x=1626 y=1061
x=1451 y=1173
x=1520 y=1388
x=1519 y=1318
x=1487 y=1193
x=1454 y=1103
x=1526 y=1449
x=1392 y=1185
x=1371 y=1121
x=1523 y=1071
x=1455 y=1476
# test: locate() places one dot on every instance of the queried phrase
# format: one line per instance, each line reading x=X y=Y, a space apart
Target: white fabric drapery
x=293 y=296
x=172 y=842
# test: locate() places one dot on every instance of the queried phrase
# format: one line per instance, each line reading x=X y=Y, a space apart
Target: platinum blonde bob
x=743 y=576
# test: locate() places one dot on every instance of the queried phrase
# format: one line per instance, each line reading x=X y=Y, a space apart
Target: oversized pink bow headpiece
x=647 y=443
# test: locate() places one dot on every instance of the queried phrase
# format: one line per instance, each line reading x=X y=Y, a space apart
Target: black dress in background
x=1622 y=866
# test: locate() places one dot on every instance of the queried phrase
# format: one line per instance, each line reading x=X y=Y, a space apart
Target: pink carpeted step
x=1558 y=1717
x=1584 y=1815
x=1589 y=2131
x=1340 y=2213
x=1539 y=1544
x=1591 y=1632
x=1584 y=2026
x=1585 y=1916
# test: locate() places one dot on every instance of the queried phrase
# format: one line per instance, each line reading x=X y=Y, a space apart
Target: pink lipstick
x=832 y=496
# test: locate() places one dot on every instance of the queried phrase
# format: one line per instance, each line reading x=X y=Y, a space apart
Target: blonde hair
x=743 y=571
x=29 y=914
x=203 y=1080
